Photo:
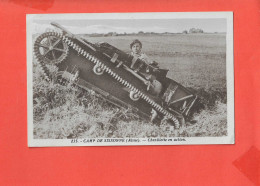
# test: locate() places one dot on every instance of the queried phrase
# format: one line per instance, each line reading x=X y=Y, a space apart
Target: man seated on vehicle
x=136 y=47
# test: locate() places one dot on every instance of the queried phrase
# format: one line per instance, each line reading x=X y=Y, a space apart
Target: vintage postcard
x=111 y=79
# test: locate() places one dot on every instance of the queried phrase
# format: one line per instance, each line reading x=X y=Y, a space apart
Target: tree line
x=190 y=31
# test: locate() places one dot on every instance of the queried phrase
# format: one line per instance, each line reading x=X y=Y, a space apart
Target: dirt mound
x=207 y=99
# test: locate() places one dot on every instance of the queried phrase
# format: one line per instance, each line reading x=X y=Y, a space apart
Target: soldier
x=136 y=47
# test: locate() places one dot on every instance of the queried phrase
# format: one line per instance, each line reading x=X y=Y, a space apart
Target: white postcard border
x=229 y=139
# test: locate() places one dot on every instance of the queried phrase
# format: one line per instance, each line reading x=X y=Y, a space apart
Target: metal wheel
x=134 y=96
x=98 y=70
x=50 y=48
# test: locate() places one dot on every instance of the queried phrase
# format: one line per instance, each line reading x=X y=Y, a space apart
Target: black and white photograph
x=109 y=79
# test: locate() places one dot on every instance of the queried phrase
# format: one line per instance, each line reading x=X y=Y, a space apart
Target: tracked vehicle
x=120 y=78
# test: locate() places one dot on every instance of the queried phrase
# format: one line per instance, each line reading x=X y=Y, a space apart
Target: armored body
x=122 y=79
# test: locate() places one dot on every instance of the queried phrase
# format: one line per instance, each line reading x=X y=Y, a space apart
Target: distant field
x=194 y=60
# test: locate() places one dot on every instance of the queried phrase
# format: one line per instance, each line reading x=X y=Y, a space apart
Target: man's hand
x=154 y=63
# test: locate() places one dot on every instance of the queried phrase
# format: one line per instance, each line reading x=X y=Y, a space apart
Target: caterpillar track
x=121 y=79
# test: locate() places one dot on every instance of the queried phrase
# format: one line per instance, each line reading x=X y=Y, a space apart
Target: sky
x=88 y=26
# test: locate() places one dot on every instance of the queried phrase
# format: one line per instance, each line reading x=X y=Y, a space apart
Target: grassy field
x=197 y=61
